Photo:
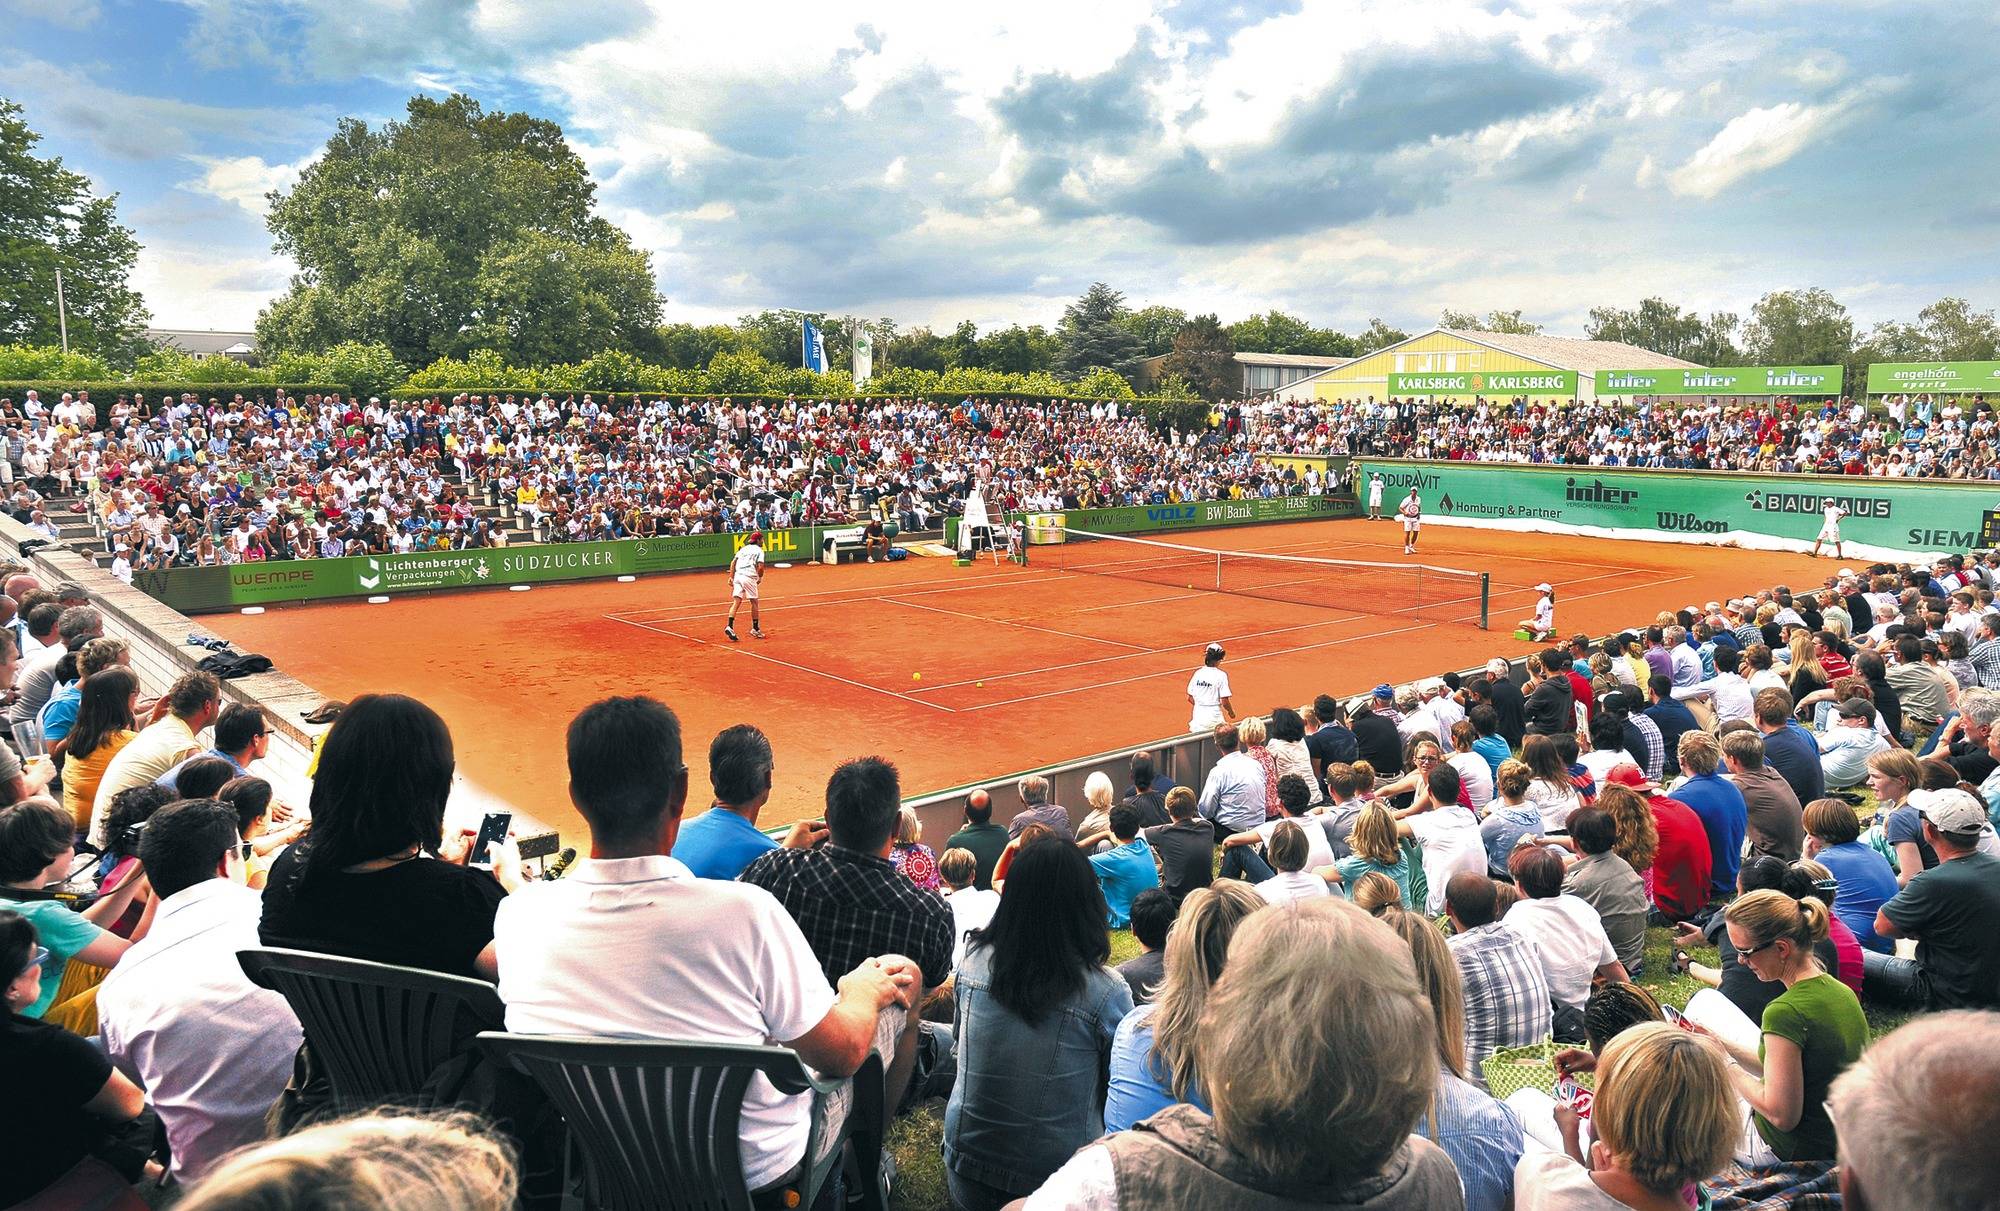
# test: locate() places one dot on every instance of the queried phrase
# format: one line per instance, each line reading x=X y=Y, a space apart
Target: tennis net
x=1412 y=590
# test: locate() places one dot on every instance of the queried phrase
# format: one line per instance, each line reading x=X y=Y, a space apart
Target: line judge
x=1208 y=692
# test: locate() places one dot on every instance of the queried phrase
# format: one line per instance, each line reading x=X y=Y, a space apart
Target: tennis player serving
x=1412 y=513
x=746 y=574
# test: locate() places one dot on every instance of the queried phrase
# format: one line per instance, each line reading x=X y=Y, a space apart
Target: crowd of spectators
x=177 y=482
x=1946 y=437
x=186 y=481
x=1358 y=908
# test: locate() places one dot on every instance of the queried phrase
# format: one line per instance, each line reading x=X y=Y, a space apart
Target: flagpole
x=62 y=313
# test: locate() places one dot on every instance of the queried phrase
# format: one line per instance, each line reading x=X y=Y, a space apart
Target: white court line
x=1176 y=672
x=854 y=597
x=786 y=664
x=1626 y=588
x=1026 y=626
x=1175 y=647
x=1125 y=605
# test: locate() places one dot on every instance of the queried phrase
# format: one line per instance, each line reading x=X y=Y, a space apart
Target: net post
x=1485 y=593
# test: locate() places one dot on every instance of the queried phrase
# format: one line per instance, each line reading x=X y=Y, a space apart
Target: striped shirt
x=1506 y=992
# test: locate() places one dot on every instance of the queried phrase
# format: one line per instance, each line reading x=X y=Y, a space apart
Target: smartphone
x=493 y=828
x=1676 y=1017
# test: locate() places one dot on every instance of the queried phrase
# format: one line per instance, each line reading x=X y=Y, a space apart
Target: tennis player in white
x=1208 y=692
x=1412 y=513
x=1829 y=527
x=746 y=575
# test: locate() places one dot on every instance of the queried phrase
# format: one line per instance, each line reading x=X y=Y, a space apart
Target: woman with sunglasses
x=64 y=1094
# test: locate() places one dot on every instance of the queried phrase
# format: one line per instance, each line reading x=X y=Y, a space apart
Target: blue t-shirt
x=1354 y=866
x=1866 y=884
x=59 y=713
x=1725 y=817
x=1494 y=749
x=1124 y=872
x=718 y=844
x=1904 y=824
x=65 y=933
x=1140 y=1085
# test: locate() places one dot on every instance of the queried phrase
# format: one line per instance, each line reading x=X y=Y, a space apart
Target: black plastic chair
x=658 y=1123
x=379 y=1032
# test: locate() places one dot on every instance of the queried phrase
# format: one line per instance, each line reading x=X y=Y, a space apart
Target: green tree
x=49 y=363
x=1018 y=350
x=1277 y=332
x=692 y=347
x=1093 y=334
x=1378 y=335
x=1798 y=328
x=1508 y=322
x=1954 y=332
x=1102 y=382
x=1662 y=327
x=48 y=222
x=1156 y=327
x=364 y=369
x=1204 y=356
x=919 y=349
x=455 y=230
x=961 y=348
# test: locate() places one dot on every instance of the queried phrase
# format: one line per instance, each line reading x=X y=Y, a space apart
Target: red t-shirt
x=1584 y=694
x=1848 y=949
x=1684 y=862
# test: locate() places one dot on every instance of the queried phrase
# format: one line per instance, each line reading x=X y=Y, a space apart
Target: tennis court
x=963 y=673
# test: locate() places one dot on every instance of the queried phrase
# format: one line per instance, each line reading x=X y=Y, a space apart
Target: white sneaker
x=871 y=559
x=731 y=632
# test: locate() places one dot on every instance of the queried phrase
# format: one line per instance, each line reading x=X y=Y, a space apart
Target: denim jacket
x=1027 y=1096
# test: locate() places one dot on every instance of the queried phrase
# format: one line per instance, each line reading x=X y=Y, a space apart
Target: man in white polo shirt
x=633 y=945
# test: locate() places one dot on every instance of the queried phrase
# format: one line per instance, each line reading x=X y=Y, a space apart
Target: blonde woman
x=1375 y=891
x=1375 y=849
x=1152 y=1055
x=1098 y=796
x=1892 y=776
x=1253 y=733
x=1665 y=1119
x=910 y=854
x=1480 y=1135
x=372 y=1163
x=1805 y=675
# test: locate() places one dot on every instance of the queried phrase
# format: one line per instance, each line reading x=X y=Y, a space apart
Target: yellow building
x=1477 y=355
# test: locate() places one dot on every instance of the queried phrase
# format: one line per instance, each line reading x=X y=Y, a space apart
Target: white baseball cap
x=1949 y=811
x=1544 y=587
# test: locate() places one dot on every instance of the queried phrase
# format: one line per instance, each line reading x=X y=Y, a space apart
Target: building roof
x=1572 y=353
x=1307 y=360
x=203 y=340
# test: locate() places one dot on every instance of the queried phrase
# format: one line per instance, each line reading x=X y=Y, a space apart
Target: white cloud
x=1758 y=140
x=893 y=175
x=1820 y=68
x=69 y=14
x=189 y=286
x=245 y=180
x=1648 y=174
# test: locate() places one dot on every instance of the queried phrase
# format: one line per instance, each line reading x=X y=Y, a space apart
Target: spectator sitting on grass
x=910 y=854
x=1152 y=1055
x=1866 y=882
x=1566 y=932
x=1949 y=910
x=1604 y=880
x=1374 y=844
x=1097 y=800
x=1917 y=1116
x=1036 y=1012
x=1504 y=987
x=1481 y=1136
x=1717 y=803
x=1151 y=802
x=1239 y=853
x=1509 y=816
x=1664 y=1117
x=1446 y=833
x=1733 y=977
x=1186 y=846
x=1293 y=882
x=1846 y=745
x=720 y=842
x=1153 y=913
x=1127 y=868
x=1036 y=809
x=1322 y=1028
x=971 y=907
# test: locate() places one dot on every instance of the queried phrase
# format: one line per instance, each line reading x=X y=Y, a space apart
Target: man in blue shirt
x=723 y=840
x=1724 y=815
x=1789 y=748
x=1127 y=868
x=241 y=737
x=1672 y=718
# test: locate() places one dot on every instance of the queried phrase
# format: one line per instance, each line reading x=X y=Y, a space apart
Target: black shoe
x=731 y=632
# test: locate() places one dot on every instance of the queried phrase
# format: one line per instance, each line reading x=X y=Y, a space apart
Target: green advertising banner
x=1498 y=382
x=196 y=590
x=1895 y=378
x=1723 y=380
x=1899 y=515
x=1194 y=515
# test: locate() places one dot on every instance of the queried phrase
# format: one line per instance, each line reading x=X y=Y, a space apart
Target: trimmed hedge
x=108 y=392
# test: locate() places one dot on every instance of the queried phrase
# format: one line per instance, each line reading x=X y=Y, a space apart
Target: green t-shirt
x=1354 y=866
x=1823 y=1018
x=64 y=932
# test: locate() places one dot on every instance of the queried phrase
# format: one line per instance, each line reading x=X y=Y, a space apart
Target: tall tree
x=49 y=221
x=1954 y=332
x=692 y=347
x=1378 y=335
x=1204 y=355
x=1509 y=322
x=1093 y=333
x=1798 y=328
x=455 y=230
x=1277 y=332
x=1156 y=327
x=1018 y=350
x=1665 y=328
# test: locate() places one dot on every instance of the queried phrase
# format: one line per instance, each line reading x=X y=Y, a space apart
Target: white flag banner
x=864 y=356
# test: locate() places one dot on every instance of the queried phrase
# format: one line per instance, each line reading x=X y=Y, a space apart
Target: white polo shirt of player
x=1831 y=525
x=1208 y=687
x=747 y=558
x=640 y=948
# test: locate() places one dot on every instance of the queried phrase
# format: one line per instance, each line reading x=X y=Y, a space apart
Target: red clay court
x=1019 y=667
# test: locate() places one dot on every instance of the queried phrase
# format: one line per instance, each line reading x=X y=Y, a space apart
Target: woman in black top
x=62 y=1093
x=375 y=879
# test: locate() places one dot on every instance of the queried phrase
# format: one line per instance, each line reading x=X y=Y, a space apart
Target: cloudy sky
x=932 y=162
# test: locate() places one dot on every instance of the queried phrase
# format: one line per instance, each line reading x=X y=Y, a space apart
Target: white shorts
x=1205 y=718
x=745 y=588
x=1412 y=524
x=1830 y=534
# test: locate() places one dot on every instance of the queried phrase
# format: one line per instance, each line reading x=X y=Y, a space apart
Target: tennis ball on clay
x=982 y=685
x=916 y=676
